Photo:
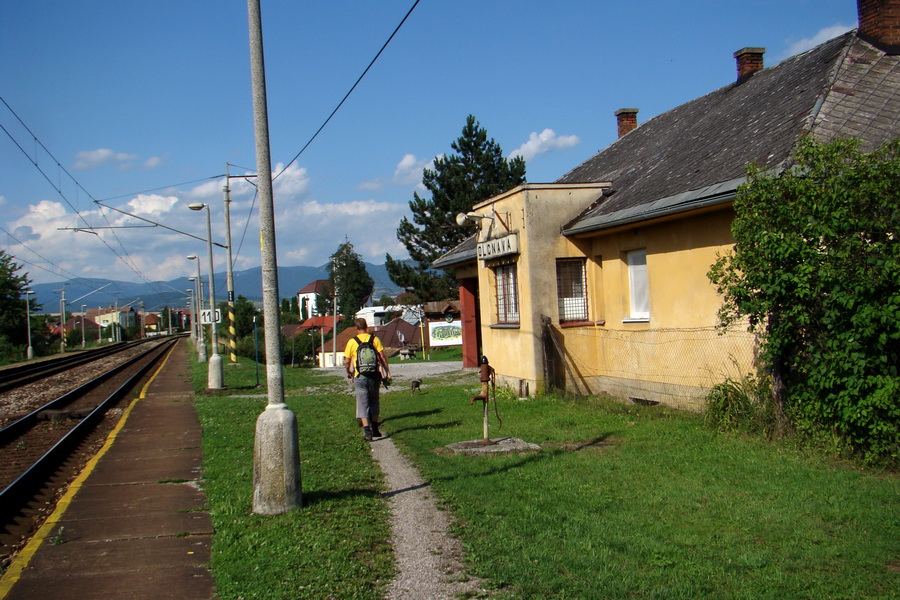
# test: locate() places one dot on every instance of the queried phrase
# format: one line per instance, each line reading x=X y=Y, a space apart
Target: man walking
x=366 y=365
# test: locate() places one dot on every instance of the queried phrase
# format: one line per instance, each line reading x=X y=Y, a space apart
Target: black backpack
x=366 y=357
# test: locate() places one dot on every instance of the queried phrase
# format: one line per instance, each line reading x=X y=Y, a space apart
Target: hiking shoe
x=367 y=433
x=375 y=431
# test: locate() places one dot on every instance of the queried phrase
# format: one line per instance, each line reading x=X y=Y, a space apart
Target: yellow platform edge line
x=23 y=558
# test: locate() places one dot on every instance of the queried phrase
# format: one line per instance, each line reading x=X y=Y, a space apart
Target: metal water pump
x=488 y=383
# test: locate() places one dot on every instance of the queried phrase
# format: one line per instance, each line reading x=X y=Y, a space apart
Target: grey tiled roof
x=464 y=252
x=696 y=154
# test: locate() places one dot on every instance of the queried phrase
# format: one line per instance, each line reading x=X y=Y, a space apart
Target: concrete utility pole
x=276 y=453
x=229 y=274
x=83 y=312
x=62 y=320
x=29 y=350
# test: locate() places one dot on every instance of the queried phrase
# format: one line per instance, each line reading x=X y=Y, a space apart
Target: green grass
x=622 y=502
x=336 y=546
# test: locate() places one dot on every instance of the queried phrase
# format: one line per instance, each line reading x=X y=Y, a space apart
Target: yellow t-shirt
x=350 y=350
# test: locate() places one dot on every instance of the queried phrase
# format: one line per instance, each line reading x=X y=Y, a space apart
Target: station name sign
x=496 y=248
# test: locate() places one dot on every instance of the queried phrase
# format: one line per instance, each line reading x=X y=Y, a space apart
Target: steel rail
x=22 y=375
x=36 y=474
x=14 y=429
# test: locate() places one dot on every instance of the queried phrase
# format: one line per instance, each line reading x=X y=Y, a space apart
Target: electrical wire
x=347 y=95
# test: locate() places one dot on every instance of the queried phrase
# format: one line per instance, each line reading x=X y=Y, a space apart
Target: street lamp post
x=198 y=301
x=29 y=351
x=191 y=308
x=215 y=376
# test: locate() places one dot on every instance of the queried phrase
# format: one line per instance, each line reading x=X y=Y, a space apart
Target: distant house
x=306 y=297
x=394 y=336
x=597 y=283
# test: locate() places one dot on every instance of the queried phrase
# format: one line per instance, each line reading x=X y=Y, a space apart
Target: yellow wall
x=673 y=357
x=536 y=212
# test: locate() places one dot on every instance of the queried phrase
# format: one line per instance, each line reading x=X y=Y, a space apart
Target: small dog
x=415 y=385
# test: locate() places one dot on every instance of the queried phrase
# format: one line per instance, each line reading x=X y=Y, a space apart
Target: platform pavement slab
x=137 y=528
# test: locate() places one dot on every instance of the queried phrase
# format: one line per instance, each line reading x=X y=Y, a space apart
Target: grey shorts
x=367 y=400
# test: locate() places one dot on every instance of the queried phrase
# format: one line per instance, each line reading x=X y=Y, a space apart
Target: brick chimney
x=749 y=61
x=879 y=23
x=626 y=118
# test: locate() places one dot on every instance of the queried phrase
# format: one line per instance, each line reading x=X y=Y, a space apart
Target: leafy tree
x=324 y=299
x=244 y=311
x=12 y=301
x=289 y=314
x=304 y=310
x=476 y=172
x=816 y=271
x=347 y=275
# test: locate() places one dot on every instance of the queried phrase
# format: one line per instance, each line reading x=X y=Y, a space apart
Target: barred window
x=507 y=294
x=571 y=289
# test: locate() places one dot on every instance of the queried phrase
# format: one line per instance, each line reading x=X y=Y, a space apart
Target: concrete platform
x=137 y=528
x=495 y=446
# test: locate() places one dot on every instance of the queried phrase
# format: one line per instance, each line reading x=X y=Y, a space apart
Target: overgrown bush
x=815 y=269
x=743 y=404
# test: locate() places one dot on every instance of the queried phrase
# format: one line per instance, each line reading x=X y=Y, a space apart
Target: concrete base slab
x=493 y=446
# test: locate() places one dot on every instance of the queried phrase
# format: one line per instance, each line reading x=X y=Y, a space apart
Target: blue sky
x=144 y=103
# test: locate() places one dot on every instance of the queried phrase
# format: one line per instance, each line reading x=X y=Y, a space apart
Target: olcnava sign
x=496 y=248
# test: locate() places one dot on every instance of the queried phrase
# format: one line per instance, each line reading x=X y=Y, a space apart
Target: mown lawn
x=622 y=502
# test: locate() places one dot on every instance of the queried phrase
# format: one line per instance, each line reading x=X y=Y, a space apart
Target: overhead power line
x=347 y=95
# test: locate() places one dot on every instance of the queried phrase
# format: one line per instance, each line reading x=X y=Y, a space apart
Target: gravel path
x=429 y=559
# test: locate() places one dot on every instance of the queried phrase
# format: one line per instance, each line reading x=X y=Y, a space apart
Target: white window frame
x=638 y=286
x=571 y=289
x=507 y=290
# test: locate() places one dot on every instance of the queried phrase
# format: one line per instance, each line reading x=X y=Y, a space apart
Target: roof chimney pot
x=879 y=23
x=626 y=118
x=749 y=61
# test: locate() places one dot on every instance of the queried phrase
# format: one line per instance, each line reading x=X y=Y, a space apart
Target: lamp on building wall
x=463 y=219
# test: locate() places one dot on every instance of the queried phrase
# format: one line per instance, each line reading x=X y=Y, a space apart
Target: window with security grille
x=571 y=289
x=507 y=294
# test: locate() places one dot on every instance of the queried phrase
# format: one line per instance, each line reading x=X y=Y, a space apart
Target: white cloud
x=293 y=181
x=2 y=200
x=46 y=210
x=91 y=159
x=356 y=208
x=823 y=35
x=152 y=204
x=154 y=162
x=208 y=190
x=545 y=141
x=407 y=172
x=409 y=169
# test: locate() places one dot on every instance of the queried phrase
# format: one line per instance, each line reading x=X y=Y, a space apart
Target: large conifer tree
x=476 y=172
x=349 y=277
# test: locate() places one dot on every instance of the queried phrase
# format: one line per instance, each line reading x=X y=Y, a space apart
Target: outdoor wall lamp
x=463 y=219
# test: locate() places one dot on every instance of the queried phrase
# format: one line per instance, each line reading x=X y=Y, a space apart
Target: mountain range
x=94 y=293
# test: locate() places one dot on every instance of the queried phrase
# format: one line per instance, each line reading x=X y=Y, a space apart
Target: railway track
x=25 y=373
x=44 y=449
